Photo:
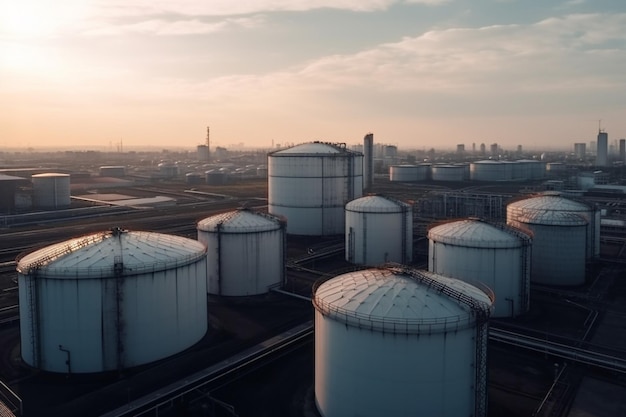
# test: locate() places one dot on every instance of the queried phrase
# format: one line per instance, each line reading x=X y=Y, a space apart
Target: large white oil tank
x=245 y=252
x=494 y=254
x=403 y=173
x=400 y=342
x=111 y=300
x=488 y=170
x=51 y=190
x=521 y=170
x=379 y=230
x=554 y=201
x=559 y=244
x=528 y=169
x=556 y=169
x=311 y=183
x=446 y=172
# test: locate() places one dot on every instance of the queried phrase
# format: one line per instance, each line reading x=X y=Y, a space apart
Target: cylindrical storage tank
x=496 y=255
x=403 y=173
x=113 y=171
x=400 y=342
x=261 y=171
x=379 y=230
x=51 y=190
x=216 y=177
x=245 y=252
x=558 y=253
x=443 y=172
x=423 y=172
x=528 y=169
x=508 y=170
x=487 y=170
x=538 y=169
x=111 y=301
x=555 y=169
x=521 y=170
x=310 y=184
x=553 y=201
x=194 y=178
x=168 y=170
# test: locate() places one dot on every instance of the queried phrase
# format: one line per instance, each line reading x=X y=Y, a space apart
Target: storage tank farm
x=395 y=341
x=310 y=184
x=565 y=234
x=111 y=300
x=379 y=229
x=245 y=252
x=51 y=190
x=493 y=254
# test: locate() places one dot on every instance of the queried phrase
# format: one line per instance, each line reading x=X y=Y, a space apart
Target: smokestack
x=208 y=143
x=368 y=161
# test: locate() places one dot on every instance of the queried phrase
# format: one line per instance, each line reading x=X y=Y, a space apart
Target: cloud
x=175 y=26
x=231 y=8
x=572 y=52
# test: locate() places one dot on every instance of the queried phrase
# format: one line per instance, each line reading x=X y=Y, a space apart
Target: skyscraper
x=368 y=160
x=580 y=150
x=601 y=156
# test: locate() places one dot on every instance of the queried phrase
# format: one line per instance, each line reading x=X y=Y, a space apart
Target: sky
x=417 y=73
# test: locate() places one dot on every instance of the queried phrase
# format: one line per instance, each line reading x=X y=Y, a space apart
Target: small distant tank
x=494 y=254
x=562 y=238
x=246 y=252
x=51 y=190
x=378 y=230
x=113 y=171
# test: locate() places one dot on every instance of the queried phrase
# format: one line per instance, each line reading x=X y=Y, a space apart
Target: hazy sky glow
x=417 y=73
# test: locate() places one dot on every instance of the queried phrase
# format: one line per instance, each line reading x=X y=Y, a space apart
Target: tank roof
x=240 y=221
x=312 y=148
x=99 y=254
x=50 y=175
x=377 y=204
x=477 y=234
x=551 y=217
x=549 y=201
x=451 y=166
x=399 y=300
x=487 y=161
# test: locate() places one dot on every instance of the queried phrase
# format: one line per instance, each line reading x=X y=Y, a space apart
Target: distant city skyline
x=419 y=74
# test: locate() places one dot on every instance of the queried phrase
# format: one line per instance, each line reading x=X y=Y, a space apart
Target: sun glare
x=37 y=18
x=22 y=19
